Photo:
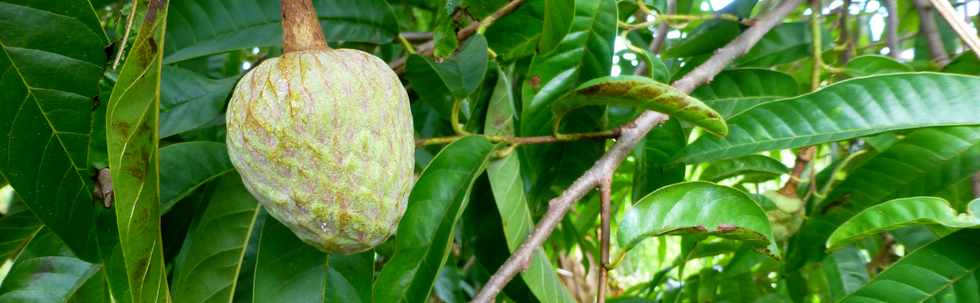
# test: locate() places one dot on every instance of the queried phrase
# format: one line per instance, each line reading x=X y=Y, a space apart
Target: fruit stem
x=300 y=27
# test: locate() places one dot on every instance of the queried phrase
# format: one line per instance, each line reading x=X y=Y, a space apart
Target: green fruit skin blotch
x=324 y=141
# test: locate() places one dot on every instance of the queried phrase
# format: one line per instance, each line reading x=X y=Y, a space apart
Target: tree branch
x=398 y=65
x=927 y=27
x=605 y=134
x=892 y=28
x=632 y=133
x=605 y=193
x=958 y=25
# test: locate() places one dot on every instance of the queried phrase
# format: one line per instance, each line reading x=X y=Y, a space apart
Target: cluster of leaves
x=886 y=216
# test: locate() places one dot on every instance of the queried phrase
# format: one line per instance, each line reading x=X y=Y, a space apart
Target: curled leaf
x=903 y=212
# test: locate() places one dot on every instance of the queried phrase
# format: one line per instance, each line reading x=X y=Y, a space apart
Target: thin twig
x=817 y=41
x=892 y=28
x=845 y=35
x=632 y=133
x=958 y=25
x=605 y=134
x=125 y=39
x=928 y=28
x=803 y=158
x=417 y=37
x=398 y=65
x=605 y=189
x=659 y=39
x=406 y=44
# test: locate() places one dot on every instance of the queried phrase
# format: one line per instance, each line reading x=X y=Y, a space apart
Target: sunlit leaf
x=902 y=212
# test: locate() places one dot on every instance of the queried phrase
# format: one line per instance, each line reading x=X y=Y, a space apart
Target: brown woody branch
x=892 y=28
x=632 y=133
x=606 y=134
x=928 y=28
x=605 y=195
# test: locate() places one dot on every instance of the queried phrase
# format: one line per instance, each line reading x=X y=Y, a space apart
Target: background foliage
x=135 y=92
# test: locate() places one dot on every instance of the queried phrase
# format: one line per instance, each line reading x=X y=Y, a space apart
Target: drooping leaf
x=212 y=254
x=133 y=140
x=697 y=208
x=845 y=272
x=186 y=166
x=902 y=212
x=653 y=155
x=201 y=27
x=189 y=101
x=426 y=230
x=51 y=60
x=644 y=93
x=516 y=35
x=459 y=75
x=847 y=109
x=785 y=43
x=753 y=167
x=944 y=270
x=583 y=54
x=868 y=65
x=508 y=193
x=286 y=269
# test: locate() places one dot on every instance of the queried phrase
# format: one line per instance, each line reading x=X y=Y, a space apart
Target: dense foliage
x=837 y=159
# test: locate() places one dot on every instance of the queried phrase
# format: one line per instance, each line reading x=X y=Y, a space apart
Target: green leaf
x=444 y=33
x=742 y=83
x=697 y=208
x=286 y=269
x=516 y=35
x=200 y=27
x=868 y=65
x=426 y=231
x=754 y=168
x=186 y=166
x=584 y=53
x=132 y=122
x=845 y=272
x=17 y=228
x=712 y=34
x=557 y=22
x=845 y=110
x=785 y=43
x=211 y=256
x=51 y=60
x=47 y=279
x=653 y=154
x=189 y=101
x=349 y=278
x=460 y=74
x=966 y=63
x=903 y=212
x=923 y=163
x=944 y=270
x=508 y=194
x=641 y=92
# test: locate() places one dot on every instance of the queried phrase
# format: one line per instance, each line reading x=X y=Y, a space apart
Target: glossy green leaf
x=583 y=54
x=202 y=27
x=944 y=270
x=189 y=101
x=845 y=271
x=49 y=79
x=847 y=109
x=186 y=166
x=460 y=74
x=132 y=123
x=644 y=93
x=557 y=21
x=47 y=279
x=516 y=35
x=868 y=65
x=753 y=167
x=697 y=208
x=17 y=228
x=212 y=254
x=508 y=194
x=923 y=163
x=286 y=269
x=426 y=230
x=735 y=84
x=785 y=43
x=966 y=63
x=653 y=154
x=902 y=212
x=349 y=278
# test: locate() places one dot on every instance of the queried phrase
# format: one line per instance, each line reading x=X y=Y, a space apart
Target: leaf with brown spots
x=132 y=119
x=644 y=93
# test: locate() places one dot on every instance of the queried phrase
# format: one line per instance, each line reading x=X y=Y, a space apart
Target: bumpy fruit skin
x=324 y=140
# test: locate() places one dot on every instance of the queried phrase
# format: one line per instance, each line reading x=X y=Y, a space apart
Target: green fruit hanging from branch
x=323 y=138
